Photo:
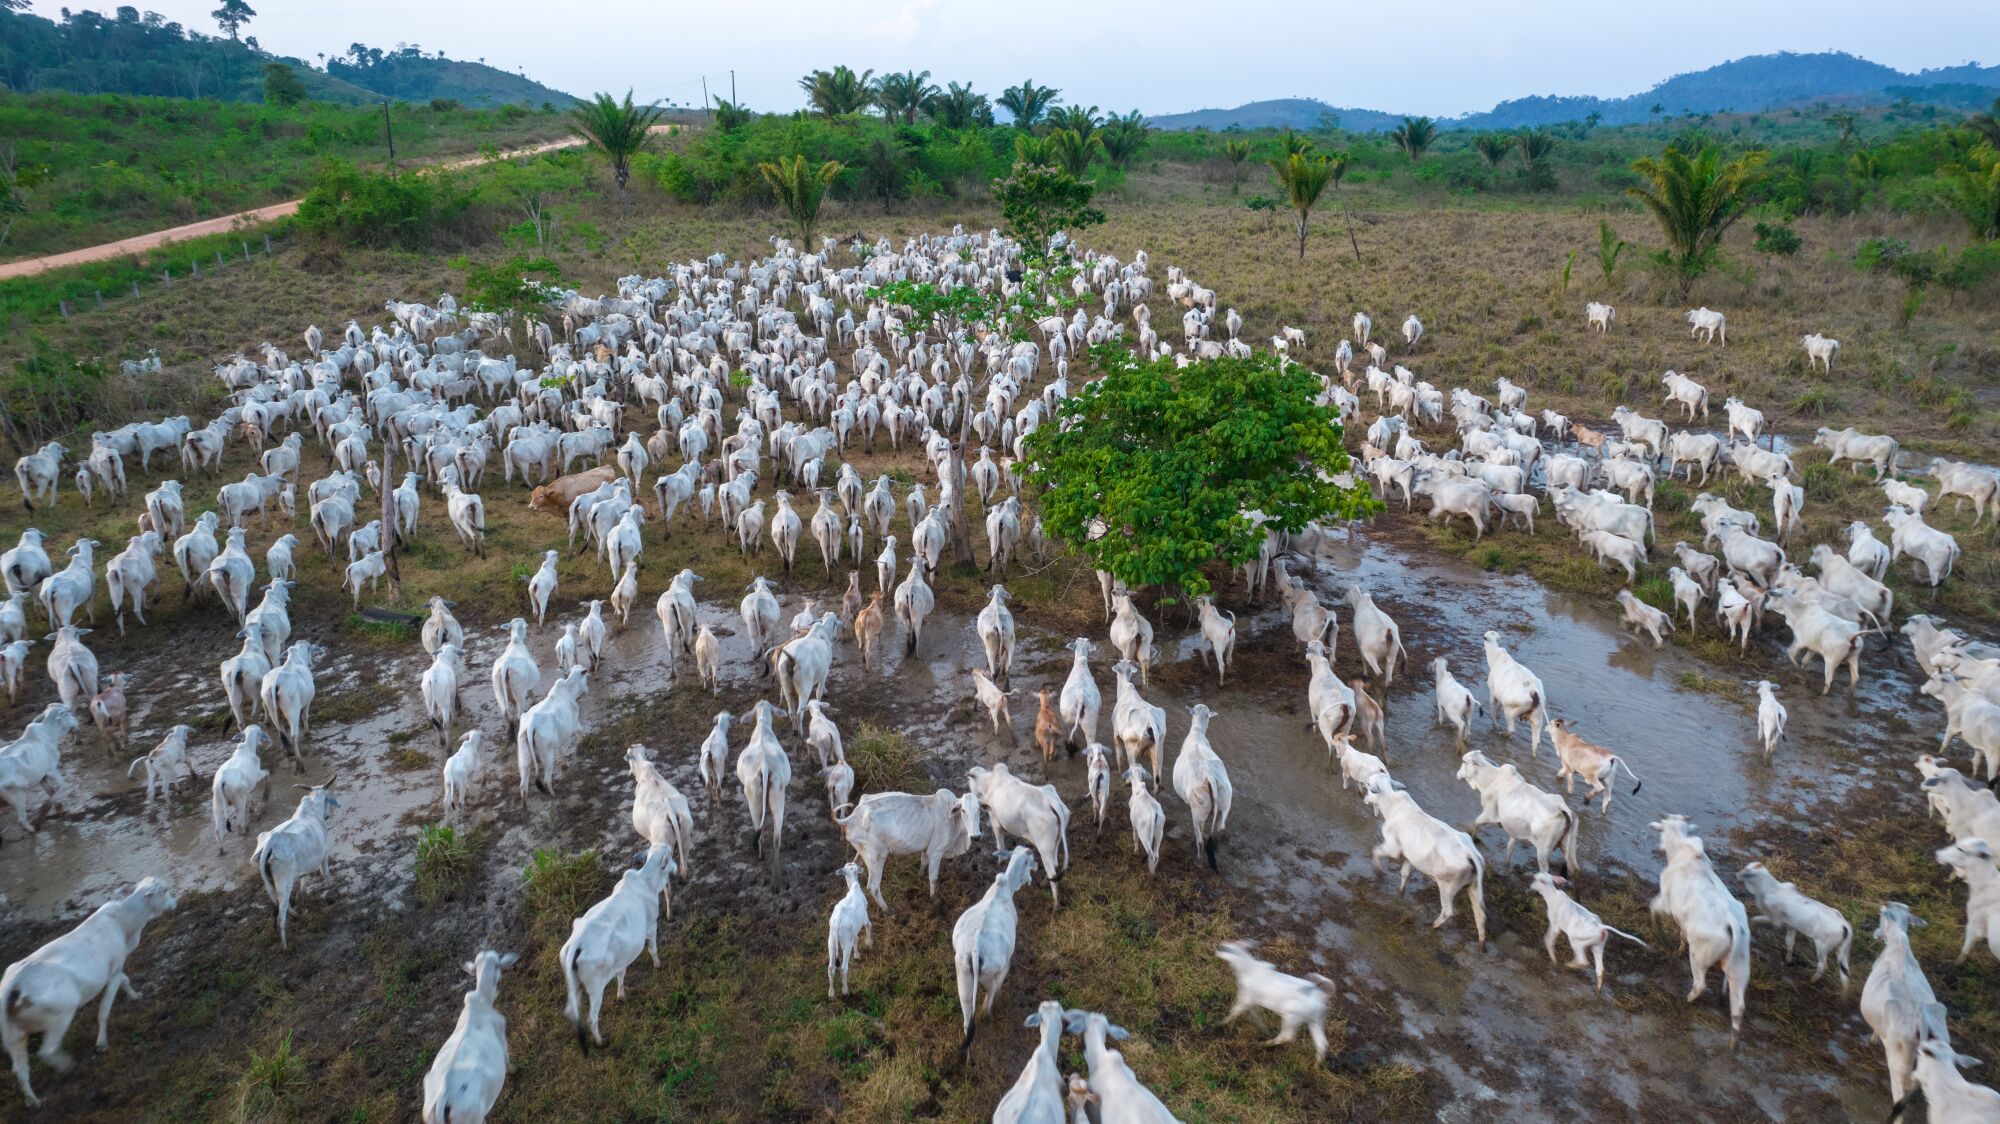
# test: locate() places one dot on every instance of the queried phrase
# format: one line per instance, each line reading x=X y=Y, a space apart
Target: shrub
x=1781 y=239
x=417 y=211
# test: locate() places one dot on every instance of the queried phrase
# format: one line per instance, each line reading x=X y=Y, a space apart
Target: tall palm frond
x=837 y=92
x=799 y=189
x=619 y=130
x=1028 y=102
x=1694 y=199
x=1414 y=135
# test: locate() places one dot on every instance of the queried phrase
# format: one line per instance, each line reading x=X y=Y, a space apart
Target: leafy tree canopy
x=1037 y=202
x=1169 y=463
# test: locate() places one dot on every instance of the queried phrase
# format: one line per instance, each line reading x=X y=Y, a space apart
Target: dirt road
x=221 y=224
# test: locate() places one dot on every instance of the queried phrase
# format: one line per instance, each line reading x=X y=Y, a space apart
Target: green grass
x=561 y=884
x=444 y=861
x=884 y=761
x=269 y=1083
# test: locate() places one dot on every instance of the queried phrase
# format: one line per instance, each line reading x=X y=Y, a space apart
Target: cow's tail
x=1618 y=762
x=1570 y=864
x=575 y=1009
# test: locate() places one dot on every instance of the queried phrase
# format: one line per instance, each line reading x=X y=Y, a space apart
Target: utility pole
x=732 y=87
x=704 y=93
x=389 y=132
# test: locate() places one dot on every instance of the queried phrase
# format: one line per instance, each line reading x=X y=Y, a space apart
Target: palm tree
x=1694 y=199
x=1123 y=138
x=1414 y=135
x=799 y=190
x=1303 y=179
x=617 y=129
x=1493 y=147
x=1536 y=145
x=1077 y=119
x=837 y=92
x=1987 y=124
x=1293 y=143
x=1028 y=102
x=731 y=115
x=1072 y=151
x=900 y=96
x=1236 y=152
x=1972 y=189
x=959 y=107
x=1031 y=149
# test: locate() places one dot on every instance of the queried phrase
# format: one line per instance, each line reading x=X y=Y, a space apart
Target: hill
x=408 y=74
x=1746 y=85
x=146 y=54
x=1278 y=113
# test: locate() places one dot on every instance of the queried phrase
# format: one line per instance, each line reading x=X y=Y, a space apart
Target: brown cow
x=556 y=496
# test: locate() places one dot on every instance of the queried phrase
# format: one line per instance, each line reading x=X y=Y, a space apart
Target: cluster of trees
x=899 y=136
x=127 y=52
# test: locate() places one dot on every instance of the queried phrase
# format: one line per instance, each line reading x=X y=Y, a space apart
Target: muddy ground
x=736 y=1026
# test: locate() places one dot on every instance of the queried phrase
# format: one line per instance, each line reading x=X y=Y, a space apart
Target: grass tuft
x=561 y=885
x=268 y=1082
x=884 y=761
x=444 y=861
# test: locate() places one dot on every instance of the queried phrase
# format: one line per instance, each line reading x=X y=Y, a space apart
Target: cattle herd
x=759 y=378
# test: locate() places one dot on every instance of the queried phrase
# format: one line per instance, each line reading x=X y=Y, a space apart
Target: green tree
x=731 y=115
x=1079 y=119
x=901 y=97
x=282 y=85
x=1536 y=146
x=1028 y=102
x=1161 y=464
x=1124 y=138
x=1413 y=136
x=232 y=16
x=1987 y=124
x=1072 y=151
x=837 y=92
x=1291 y=143
x=1302 y=179
x=1236 y=153
x=959 y=107
x=1694 y=199
x=885 y=169
x=1971 y=188
x=1031 y=149
x=1609 y=246
x=1493 y=147
x=619 y=130
x=1038 y=202
x=519 y=286
x=532 y=186
x=799 y=190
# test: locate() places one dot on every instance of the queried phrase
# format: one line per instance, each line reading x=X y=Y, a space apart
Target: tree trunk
x=1302 y=234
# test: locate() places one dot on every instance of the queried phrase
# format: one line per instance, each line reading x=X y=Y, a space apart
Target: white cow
x=1427 y=844
x=1713 y=924
x=41 y=992
x=470 y=1069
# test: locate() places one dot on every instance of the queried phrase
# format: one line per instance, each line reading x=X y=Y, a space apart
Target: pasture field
x=735 y=1024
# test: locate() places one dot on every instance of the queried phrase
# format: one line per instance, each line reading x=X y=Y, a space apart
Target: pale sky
x=1441 y=57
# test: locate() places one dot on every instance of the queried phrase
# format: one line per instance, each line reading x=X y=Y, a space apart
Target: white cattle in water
x=1431 y=846
x=1713 y=924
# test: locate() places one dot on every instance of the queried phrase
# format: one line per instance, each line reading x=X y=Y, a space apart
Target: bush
x=1781 y=239
x=416 y=211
